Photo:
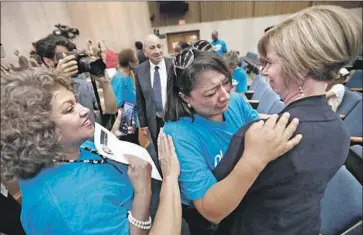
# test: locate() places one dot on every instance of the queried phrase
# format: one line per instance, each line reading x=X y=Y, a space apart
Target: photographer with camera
x=59 y=52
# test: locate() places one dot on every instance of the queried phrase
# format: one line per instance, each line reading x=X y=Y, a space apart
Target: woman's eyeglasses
x=186 y=57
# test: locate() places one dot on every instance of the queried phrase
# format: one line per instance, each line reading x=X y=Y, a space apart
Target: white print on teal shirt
x=218 y=158
x=217 y=47
x=234 y=82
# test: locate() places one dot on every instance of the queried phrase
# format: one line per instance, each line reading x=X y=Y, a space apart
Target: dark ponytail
x=185 y=80
x=175 y=106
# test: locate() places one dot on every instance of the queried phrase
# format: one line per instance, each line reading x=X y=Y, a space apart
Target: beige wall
x=120 y=24
x=241 y=35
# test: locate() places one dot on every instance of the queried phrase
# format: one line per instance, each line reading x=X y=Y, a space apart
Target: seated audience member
x=219 y=46
x=66 y=186
x=335 y=91
x=193 y=39
x=123 y=85
x=201 y=115
x=285 y=199
x=89 y=47
x=180 y=46
x=22 y=60
x=140 y=54
x=48 y=47
x=239 y=76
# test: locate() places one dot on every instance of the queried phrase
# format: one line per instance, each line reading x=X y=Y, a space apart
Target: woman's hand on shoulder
x=139 y=173
x=167 y=156
x=267 y=140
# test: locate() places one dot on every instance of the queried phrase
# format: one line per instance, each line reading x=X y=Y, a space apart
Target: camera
x=85 y=63
x=65 y=31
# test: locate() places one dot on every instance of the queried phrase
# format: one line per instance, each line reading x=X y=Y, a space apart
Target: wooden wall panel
x=24 y=23
x=346 y=4
x=278 y=8
x=157 y=19
x=192 y=16
x=120 y=24
x=292 y=7
x=209 y=11
x=214 y=11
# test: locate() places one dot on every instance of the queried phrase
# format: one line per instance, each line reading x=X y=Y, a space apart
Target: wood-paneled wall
x=213 y=11
x=208 y=11
x=120 y=24
x=346 y=4
x=278 y=8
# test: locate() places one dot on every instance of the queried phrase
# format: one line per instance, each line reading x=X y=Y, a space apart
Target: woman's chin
x=89 y=133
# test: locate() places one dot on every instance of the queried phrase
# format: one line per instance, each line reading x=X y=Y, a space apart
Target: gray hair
x=231 y=57
x=29 y=138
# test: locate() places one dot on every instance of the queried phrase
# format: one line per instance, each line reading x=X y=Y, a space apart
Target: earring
x=189 y=105
x=301 y=91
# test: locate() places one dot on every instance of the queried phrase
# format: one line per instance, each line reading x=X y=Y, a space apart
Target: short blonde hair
x=314 y=42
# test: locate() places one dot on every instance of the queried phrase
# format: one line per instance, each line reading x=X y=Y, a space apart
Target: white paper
x=111 y=72
x=110 y=146
x=4 y=190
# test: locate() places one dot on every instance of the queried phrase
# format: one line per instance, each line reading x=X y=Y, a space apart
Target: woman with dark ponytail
x=202 y=114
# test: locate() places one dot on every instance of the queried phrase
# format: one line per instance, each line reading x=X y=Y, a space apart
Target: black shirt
x=285 y=198
x=141 y=57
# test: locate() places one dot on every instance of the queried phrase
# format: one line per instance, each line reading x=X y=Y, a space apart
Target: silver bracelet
x=145 y=225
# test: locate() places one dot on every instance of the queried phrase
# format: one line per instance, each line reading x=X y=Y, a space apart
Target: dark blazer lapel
x=147 y=76
x=168 y=63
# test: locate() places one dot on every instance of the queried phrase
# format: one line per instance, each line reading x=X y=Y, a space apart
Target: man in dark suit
x=151 y=82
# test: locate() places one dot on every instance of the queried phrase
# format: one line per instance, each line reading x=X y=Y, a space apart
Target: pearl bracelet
x=145 y=225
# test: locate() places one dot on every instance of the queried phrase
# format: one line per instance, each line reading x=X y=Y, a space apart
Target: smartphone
x=127 y=117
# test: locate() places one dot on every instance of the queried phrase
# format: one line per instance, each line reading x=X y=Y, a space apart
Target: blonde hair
x=314 y=42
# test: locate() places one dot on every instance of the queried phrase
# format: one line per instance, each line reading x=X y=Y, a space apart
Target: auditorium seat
x=355 y=81
x=357 y=229
x=249 y=94
x=277 y=107
x=256 y=82
x=341 y=206
x=353 y=122
x=350 y=99
x=267 y=100
x=254 y=103
x=260 y=90
x=354 y=162
x=243 y=64
x=252 y=56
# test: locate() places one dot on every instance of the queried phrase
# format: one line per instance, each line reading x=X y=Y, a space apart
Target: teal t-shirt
x=77 y=198
x=239 y=80
x=200 y=145
x=124 y=90
x=219 y=46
